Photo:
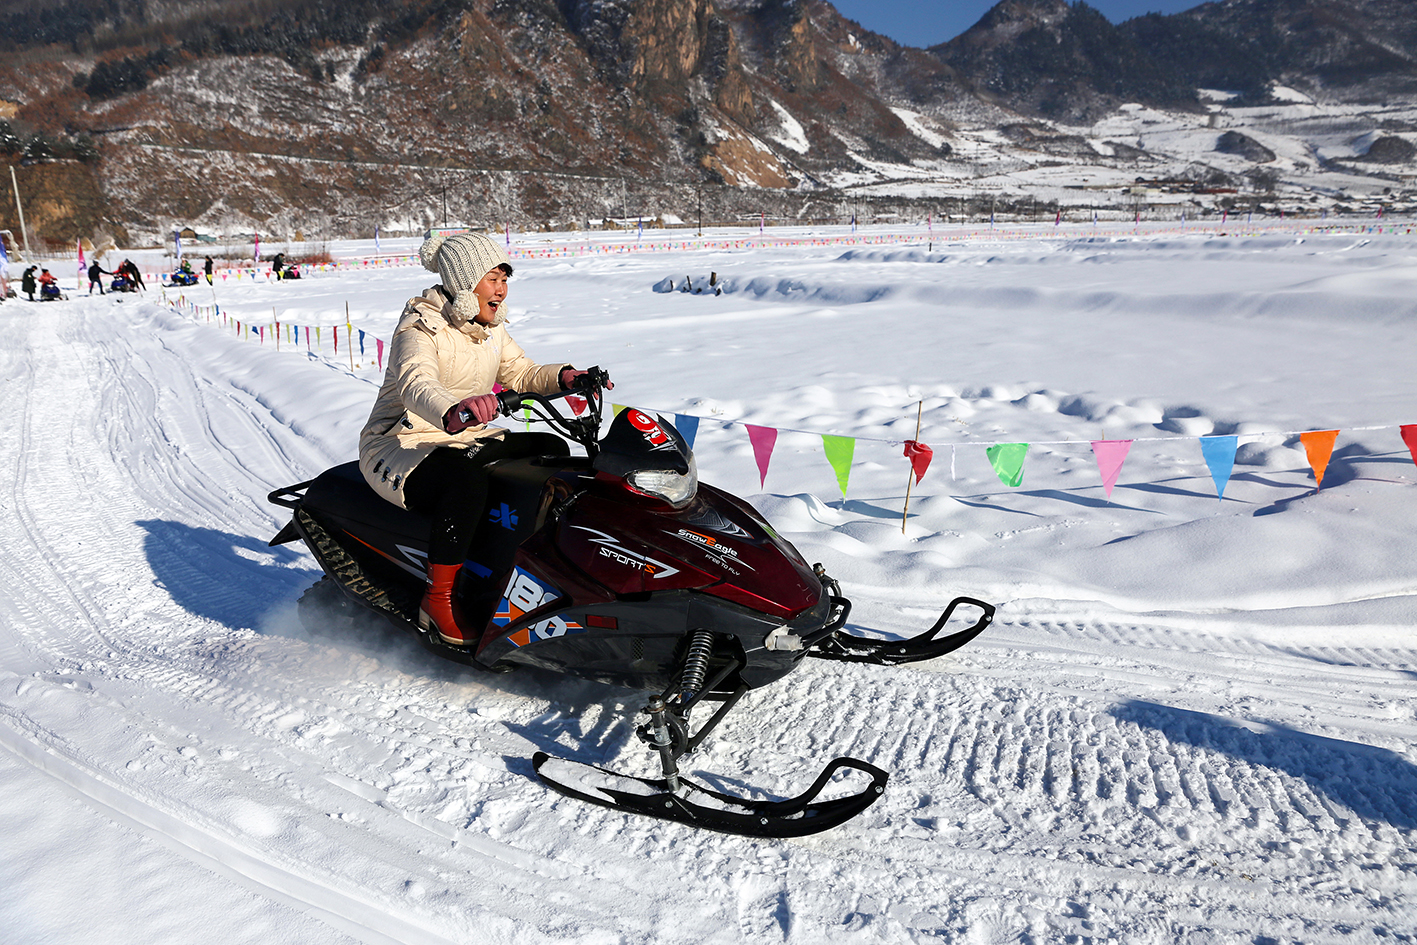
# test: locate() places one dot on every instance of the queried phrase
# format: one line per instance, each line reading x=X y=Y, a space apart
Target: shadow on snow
x=1374 y=783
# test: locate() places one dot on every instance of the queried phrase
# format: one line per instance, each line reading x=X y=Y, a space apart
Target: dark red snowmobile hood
x=717 y=544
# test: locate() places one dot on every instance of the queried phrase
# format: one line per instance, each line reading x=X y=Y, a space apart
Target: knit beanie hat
x=461 y=261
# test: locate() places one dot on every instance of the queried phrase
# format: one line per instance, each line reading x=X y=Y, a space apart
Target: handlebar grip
x=508 y=401
x=593 y=379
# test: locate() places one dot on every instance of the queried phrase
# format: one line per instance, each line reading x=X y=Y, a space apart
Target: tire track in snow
x=104 y=532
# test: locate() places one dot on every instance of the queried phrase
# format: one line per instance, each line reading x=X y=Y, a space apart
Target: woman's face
x=491 y=292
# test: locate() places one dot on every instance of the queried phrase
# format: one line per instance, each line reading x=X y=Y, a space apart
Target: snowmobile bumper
x=833 y=643
x=849 y=648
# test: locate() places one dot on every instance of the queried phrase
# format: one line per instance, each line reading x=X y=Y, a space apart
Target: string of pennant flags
x=1005 y=458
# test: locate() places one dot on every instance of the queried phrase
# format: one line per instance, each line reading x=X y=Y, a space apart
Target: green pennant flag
x=839 y=450
x=526 y=415
x=1007 y=460
x=616 y=409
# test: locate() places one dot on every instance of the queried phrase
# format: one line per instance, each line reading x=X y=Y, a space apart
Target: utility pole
x=23 y=231
x=701 y=209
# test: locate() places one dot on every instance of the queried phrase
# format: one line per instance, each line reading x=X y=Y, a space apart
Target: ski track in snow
x=1078 y=774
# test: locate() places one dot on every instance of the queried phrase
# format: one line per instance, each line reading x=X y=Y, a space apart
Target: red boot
x=437 y=611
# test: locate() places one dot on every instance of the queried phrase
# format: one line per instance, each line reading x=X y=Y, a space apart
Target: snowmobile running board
x=853 y=649
x=699 y=807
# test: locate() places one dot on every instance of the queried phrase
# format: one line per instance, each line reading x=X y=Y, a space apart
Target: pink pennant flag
x=335 y=329
x=919 y=455
x=379 y=347
x=763 y=440
x=307 y=337
x=1111 y=454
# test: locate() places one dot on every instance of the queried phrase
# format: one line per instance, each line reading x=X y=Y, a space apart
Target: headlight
x=678 y=489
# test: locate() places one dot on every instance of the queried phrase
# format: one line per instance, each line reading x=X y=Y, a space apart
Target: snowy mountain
x=305 y=119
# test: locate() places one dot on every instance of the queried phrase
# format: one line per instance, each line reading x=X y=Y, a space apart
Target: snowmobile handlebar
x=589 y=384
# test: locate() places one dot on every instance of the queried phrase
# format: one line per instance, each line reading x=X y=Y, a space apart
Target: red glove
x=471 y=411
x=569 y=375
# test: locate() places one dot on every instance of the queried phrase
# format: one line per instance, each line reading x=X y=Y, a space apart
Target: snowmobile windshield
x=651 y=455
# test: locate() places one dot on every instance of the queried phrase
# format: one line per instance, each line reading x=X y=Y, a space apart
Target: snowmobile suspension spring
x=696 y=663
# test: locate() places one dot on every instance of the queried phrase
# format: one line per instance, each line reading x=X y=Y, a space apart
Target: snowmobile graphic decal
x=524 y=594
x=725 y=556
x=611 y=548
x=652 y=432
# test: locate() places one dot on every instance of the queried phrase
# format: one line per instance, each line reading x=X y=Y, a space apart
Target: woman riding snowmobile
x=49 y=287
x=426 y=444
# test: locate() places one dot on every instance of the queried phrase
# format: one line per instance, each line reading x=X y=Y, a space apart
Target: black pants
x=450 y=487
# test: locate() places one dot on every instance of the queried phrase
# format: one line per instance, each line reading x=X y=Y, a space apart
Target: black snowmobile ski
x=699 y=807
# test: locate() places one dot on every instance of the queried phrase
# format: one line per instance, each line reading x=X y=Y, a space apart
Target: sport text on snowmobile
x=620 y=567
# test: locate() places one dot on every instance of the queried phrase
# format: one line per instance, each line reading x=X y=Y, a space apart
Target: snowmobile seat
x=341 y=493
x=518 y=500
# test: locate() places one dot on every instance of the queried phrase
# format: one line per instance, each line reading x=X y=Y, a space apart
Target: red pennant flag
x=919 y=455
x=578 y=404
x=1409 y=436
x=1318 y=447
x=335 y=329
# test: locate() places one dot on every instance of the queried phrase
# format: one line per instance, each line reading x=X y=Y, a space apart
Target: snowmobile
x=122 y=284
x=179 y=278
x=291 y=272
x=50 y=292
x=618 y=566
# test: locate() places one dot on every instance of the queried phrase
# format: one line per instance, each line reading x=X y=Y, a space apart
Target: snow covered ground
x=1193 y=721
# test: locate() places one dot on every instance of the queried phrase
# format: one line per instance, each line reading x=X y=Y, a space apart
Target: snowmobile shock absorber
x=691 y=680
x=659 y=738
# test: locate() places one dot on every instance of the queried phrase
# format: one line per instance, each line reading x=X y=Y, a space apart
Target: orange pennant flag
x=1318 y=447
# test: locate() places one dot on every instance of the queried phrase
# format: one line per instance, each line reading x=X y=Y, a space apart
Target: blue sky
x=927 y=22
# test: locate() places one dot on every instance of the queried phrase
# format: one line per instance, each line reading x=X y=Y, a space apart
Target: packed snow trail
x=1077 y=774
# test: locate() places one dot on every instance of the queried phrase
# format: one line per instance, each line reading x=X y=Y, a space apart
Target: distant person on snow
x=48 y=286
x=28 y=285
x=207 y=268
x=95 y=274
x=426 y=445
x=129 y=269
x=278 y=265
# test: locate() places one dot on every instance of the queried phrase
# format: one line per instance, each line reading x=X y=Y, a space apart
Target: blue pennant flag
x=687 y=426
x=1219 y=453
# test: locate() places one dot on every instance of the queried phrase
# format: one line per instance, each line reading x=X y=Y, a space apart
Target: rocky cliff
x=329 y=119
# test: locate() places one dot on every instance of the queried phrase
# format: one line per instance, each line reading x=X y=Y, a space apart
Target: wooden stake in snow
x=910 y=476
